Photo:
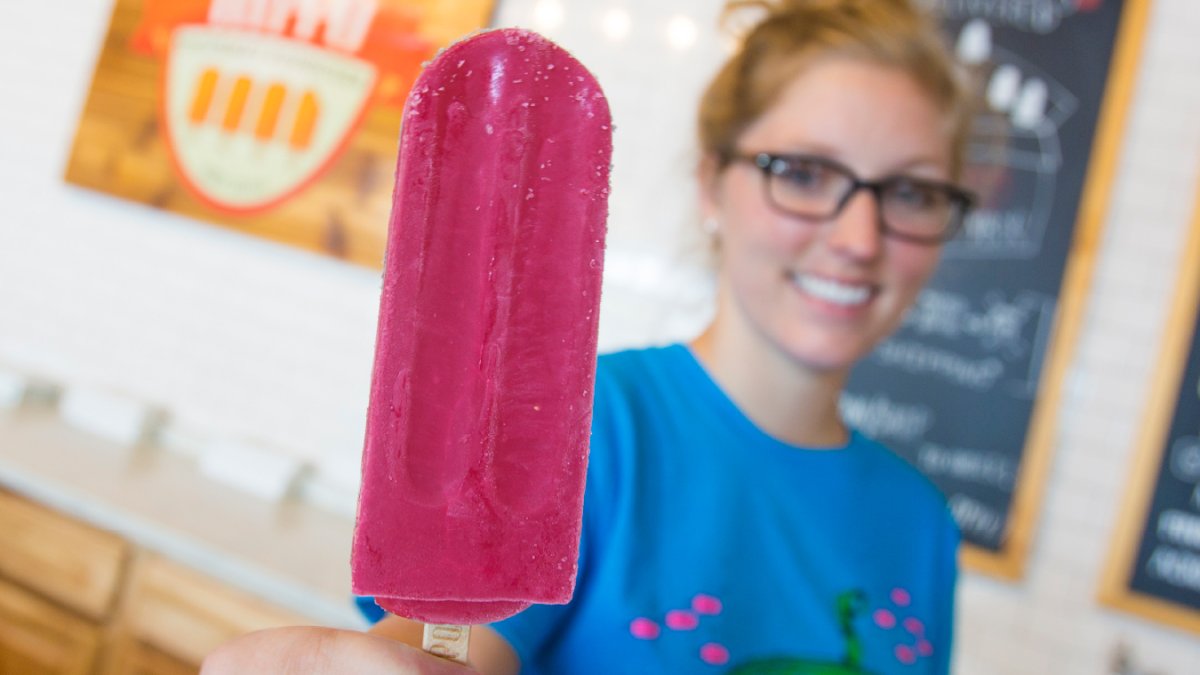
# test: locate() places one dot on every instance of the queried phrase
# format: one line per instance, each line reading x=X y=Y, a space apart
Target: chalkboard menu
x=966 y=390
x=1154 y=568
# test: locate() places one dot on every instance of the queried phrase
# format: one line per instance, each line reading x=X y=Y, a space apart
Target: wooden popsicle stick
x=447 y=641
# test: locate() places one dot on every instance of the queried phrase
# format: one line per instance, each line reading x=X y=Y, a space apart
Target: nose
x=855 y=230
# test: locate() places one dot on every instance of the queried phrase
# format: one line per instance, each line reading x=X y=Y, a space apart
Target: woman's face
x=826 y=292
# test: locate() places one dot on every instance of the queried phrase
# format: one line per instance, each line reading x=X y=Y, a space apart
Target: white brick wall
x=246 y=339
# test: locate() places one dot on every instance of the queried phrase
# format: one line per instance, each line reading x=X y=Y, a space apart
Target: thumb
x=323 y=651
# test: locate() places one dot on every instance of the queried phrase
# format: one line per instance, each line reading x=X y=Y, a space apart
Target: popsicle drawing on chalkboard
x=1017 y=152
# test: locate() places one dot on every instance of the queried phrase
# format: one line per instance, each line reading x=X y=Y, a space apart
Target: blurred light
x=616 y=24
x=681 y=32
x=547 y=15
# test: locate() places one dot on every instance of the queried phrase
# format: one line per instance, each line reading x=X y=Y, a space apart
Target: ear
x=708 y=173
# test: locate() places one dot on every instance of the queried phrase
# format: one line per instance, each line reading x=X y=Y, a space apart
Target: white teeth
x=832 y=291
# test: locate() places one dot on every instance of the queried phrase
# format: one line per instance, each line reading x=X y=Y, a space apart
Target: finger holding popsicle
x=297 y=650
x=480 y=410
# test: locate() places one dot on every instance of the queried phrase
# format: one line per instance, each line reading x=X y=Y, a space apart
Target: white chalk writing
x=990 y=228
x=1037 y=16
x=919 y=359
x=1185 y=459
x=1178 y=568
x=999 y=326
x=884 y=419
x=976 y=466
x=976 y=517
x=1179 y=528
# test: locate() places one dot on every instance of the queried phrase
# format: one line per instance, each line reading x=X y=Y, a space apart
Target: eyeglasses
x=818 y=188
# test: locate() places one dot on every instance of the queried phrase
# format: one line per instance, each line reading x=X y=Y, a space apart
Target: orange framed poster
x=1153 y=567
x=278 y=118
x=969 y=388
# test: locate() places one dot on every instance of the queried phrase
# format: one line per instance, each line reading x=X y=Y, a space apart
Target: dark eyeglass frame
x=772 y=165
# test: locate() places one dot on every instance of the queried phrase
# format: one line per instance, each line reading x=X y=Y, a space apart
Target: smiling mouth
x=834 y=292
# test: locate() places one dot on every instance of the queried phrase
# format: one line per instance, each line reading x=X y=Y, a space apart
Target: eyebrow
x=913 y=164
x=920 y=164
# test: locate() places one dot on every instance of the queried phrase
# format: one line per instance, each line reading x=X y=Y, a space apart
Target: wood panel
x=68 y=562
x=187 y=615
x=37 y=638
x=137 y=658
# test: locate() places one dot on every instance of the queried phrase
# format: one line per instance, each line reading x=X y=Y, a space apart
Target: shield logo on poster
x=259 y=97
x=252 y=118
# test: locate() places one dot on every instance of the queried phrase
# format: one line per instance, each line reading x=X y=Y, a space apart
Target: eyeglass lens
x=811 y=187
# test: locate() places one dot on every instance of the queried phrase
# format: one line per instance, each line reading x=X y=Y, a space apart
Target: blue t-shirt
x=711 y=547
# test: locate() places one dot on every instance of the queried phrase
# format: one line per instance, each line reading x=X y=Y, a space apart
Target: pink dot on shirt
x=706 y=604
x=714 y=654
x=901 y=597
x=885 y=619
x=643 y=629
x=678 y=619
x=906 y=655
x=924 y=648
x=914 y=626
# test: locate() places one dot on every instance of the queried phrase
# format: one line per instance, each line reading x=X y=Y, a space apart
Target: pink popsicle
x=480 y=407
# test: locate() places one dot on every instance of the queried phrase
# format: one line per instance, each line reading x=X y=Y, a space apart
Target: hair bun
x=777 y=39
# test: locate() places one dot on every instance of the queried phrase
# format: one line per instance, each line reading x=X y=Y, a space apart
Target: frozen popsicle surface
x=480 y=406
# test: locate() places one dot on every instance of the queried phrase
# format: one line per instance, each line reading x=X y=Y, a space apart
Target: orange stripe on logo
x=237 y=104
x=306 y=122
x=202 y=101
x=268 y=119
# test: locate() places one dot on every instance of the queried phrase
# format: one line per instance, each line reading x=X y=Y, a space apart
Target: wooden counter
x=119 y=561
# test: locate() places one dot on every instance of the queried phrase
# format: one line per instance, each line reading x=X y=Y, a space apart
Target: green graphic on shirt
x=849 y=605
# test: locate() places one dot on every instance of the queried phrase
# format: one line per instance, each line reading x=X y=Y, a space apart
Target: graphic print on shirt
x=702 y=605
x=911 y=645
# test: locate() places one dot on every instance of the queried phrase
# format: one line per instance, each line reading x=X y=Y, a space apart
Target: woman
x=732 y=521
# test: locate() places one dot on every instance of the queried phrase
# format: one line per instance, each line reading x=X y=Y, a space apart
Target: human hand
x=320 y=651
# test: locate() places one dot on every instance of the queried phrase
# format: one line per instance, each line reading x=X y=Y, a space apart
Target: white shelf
x=292 y=555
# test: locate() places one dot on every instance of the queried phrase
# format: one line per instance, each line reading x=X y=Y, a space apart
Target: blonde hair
x=793 y=34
